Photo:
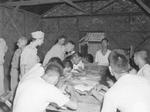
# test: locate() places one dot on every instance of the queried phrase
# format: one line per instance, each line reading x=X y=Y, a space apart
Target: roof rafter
x=35 y=2
x=146 y=8
x=74 y=5
x=105 y=6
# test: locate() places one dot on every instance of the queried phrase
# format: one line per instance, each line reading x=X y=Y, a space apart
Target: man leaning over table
x=130 y=93
x=35 y=94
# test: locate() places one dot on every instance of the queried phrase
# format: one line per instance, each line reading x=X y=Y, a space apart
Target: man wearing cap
x=29 y=55
x=15 y=64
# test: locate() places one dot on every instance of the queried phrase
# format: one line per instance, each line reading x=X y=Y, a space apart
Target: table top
x=86 y=102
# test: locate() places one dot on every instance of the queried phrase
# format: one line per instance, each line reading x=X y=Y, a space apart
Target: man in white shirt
x=78 y=65
x=141 y=60
x=35 y=94
x=101 y=57
x=59 y=50
x=130 y=93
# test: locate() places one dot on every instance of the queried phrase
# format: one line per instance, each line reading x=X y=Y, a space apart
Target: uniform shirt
x=34 y=95
x=56 y=51
x=16 y=59
x=102 y=59
x=130 y=93
x=145 y=71
x=29 y=57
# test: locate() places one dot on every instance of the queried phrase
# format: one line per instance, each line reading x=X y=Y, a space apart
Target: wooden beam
x=35 y=2
x=98 y=15
x=74 y=5
x=105 y=6
x=145 y=7
x=51 y=9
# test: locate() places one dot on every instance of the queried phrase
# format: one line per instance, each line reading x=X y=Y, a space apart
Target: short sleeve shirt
x=34 y=95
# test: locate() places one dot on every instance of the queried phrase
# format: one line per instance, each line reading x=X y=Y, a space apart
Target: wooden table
x=86 y=103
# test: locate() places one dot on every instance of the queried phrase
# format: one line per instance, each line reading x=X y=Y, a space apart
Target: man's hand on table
x=98 y=92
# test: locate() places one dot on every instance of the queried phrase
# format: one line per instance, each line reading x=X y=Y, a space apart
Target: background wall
x=12 y=26
x=124 y=23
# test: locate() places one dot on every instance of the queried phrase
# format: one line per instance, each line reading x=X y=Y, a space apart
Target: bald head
x=142 y=54
x=141 y=58
x=53 y=67
x=52 y=73
x=119 y=62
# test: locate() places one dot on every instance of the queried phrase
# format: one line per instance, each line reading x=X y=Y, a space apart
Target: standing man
x=29 y=56
x=130 y=93
x=35 y=94
x=15 y=64
x=101 y=57
x=59 y=50
x=3 y=50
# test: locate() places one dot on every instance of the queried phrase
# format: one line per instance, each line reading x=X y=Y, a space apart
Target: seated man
x=141 y=60
x=130 y=93
x=101 y=57
x=35 y=94
x=68 y=66
x=78 y=65
x=66 y=73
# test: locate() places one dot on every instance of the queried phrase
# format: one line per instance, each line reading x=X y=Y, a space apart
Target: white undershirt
x=102 y=59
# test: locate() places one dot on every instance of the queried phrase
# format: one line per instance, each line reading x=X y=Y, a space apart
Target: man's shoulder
x=127 y=80
x=53 y=48
x=121 y=82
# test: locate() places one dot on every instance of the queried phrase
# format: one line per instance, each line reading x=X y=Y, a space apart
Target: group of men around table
x=39 y=83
